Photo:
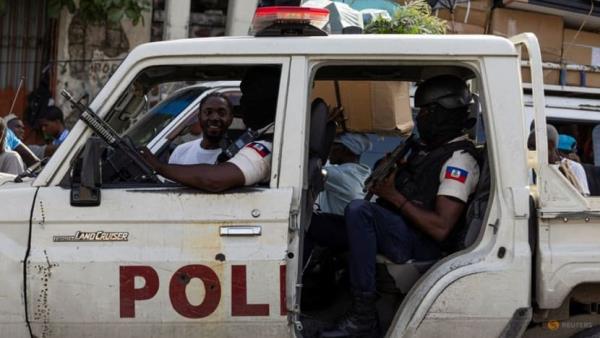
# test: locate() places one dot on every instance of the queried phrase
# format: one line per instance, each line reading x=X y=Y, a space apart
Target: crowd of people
x=15 y=155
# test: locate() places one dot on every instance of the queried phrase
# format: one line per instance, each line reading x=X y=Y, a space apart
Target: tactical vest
x=419 y=179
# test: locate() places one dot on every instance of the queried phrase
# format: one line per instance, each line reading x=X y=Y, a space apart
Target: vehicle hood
x=7 y=181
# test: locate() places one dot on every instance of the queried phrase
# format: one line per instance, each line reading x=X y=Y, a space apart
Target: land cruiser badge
x=96 y=236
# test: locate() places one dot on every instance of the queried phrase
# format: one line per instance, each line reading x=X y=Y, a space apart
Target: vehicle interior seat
x=405 y=275
x=322 y=133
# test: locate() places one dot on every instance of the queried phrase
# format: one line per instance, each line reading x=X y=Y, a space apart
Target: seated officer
x=419 y=205
x=252 y=164
x=215 y=116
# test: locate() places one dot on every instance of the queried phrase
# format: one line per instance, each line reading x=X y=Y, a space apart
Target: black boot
x=360 y=321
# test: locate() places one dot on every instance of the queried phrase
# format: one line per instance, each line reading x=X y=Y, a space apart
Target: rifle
x=384 y=169
x=338 y=98
x=110 y=136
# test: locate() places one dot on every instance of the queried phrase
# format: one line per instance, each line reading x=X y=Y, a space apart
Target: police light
x=289 y=20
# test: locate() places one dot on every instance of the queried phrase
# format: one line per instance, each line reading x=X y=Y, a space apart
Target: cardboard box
x=382 y=106
x=547 y=28
x=462 y=15
x=551 y=76
x=574 y=78
x=464 y=28
x=582 y=48
x=480 y=5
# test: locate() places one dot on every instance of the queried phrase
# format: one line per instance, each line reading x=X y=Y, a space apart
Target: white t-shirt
x=459 y=175
x=254 y=160
x=193 y=153
x=11 y=163
x=579 y=172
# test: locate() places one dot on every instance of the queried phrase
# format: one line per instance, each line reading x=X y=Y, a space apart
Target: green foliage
x=102 y=11
x=413 y=18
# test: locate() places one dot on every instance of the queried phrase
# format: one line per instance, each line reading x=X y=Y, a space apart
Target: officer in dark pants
x=418 y=208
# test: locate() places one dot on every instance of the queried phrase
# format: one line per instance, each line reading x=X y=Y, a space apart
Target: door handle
x=240 y=230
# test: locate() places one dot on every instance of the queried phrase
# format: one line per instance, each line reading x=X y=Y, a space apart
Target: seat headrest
x=322 y=131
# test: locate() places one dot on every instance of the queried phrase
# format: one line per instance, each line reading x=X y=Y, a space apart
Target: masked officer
x=419 y=207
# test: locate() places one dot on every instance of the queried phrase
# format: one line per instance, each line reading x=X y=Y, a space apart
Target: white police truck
x=91 y=245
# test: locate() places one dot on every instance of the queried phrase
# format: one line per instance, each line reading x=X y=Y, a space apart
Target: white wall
x=239 y=16
x=91 y=53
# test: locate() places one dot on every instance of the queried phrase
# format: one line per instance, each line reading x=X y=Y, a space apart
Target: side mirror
x=86 y=175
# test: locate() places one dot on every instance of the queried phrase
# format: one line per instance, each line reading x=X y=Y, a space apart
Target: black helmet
x=448 y=91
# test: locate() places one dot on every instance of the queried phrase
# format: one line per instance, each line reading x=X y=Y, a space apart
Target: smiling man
x=215 y=116
x=252 y=163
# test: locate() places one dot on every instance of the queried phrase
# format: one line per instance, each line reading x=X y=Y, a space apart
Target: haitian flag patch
x=261 y=149
x=457 y=174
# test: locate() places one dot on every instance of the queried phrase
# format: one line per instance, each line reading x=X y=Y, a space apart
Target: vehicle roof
x=388 y=44
x=219 y=85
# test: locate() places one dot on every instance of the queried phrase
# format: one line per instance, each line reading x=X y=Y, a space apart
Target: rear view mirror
x=86 y=176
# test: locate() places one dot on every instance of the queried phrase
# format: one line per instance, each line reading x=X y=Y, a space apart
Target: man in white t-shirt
x=252 y=163
x=215 y=116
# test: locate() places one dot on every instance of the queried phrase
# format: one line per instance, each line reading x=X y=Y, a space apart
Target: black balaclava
x=445 y=100
x=259 y=87
x=441 y=125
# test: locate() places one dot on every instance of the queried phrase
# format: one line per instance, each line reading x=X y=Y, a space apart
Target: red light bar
x=267 y=16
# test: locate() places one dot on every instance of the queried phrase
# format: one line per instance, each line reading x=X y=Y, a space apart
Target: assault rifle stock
x=110 y=136
x=387 y=167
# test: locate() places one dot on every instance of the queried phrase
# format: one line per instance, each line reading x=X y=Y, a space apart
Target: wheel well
x=583 y=299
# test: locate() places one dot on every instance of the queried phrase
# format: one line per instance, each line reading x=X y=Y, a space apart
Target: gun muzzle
x=67 y=95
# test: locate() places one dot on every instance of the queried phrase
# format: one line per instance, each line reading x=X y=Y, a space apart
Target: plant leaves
x=54 y=7
x=71 y=6
x=413 y=18
x=132 y=13
x=98 y=11
x=115 y=14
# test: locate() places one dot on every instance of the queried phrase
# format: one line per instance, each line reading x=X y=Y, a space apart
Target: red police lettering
x=239 y=293
x=129 y=294
x=212 y=293
x=177 y=291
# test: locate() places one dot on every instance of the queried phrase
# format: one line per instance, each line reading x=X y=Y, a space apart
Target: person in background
x=572 y=170
x=567 y=147
x=53 y=126
x=12 y=143
x=10 y=161
x=215 y=116
x=191 y=133
x=16 y=125
x=345 y=174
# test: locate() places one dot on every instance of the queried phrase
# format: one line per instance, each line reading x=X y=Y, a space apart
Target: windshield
x=146 y=128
